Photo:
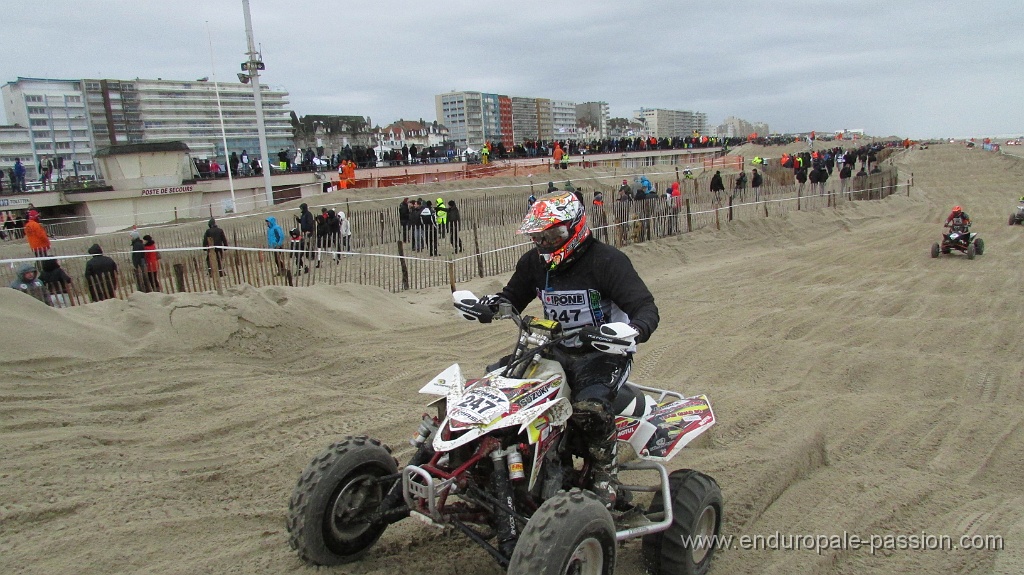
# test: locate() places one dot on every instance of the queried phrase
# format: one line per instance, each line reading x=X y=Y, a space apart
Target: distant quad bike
x=961 y=239
x=1017 y=217
x=501 y=462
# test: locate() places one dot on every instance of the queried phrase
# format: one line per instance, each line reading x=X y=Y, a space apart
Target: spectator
x=152 y=263
x=217 y=239
x=844 y=178
x=755 y=183
x=741 y=185
x=322 y=234
x=19 y=175
x=416 y=223
x=441 y=217
x=275 y=241
x=139 y=261
x=295 y=244
x=403 y=219
x=717 y=186
x=429 y=227
x=801 y=178
x=455 y=224
x=100 y=275
x=35 y=233
x=345 y=232
x=334 y=229
x=27 y=281
x=307 y=227
x=551 y=188
x=57 y=282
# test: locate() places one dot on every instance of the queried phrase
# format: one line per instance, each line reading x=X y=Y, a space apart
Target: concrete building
x=671 y=123
x=524 y=120
x=595 y=115
x=733 y=127
x=563 y=119
x=70 y=119
x=474 y=118
x=58 y=127
x=187 y=112
x=15 y=144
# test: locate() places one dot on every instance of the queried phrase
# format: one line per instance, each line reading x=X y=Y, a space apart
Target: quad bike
x=501 y=463
x=1017 y=217
x=961 y=239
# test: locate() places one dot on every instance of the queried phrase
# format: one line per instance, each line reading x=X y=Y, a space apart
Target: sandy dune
x=861 y=387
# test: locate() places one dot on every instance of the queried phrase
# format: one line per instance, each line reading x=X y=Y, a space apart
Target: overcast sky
x=916 y=68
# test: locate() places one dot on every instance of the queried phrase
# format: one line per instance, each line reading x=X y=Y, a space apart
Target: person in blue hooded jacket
x=275 y=241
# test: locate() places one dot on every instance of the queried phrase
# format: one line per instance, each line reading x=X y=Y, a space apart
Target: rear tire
x=935 y=250
x=335 y=494
x=971 y=250
x=979 y=246
x=696 y=513
x=571 y=533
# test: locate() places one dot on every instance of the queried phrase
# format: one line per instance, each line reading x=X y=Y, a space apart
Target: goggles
x=552 y=237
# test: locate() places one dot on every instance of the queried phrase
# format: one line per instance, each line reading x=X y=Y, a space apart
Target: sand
x=861 y=387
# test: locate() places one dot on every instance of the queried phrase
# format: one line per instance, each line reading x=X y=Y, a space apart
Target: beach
x=861 y=388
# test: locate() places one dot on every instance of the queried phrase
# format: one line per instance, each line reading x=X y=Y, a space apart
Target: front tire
x=979 y=246
x=1013 y=219
x=571 y=533
x=971 y=250
x=687 y=547
x=935 y=250
x=338 y=490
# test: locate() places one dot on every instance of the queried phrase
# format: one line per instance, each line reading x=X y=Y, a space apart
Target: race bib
x=573 y=308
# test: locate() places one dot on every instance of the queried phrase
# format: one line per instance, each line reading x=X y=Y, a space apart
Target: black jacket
x=138 y=258
x=216 y=234
x=596 y=267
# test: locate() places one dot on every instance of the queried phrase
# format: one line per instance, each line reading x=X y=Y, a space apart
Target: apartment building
x=524 y=120
x=663 y=123
x=70 y=119
x=188 y=111
x=563 y=119
x=54 y=117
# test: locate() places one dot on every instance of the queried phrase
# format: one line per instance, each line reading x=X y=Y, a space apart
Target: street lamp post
x=251 y=69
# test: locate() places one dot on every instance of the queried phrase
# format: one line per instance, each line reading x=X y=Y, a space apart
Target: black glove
x=492 y=301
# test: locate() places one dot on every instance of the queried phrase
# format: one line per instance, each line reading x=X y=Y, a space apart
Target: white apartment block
x=563 y=118
x=462 y=113
x=53 y=111
x=73 y=118
x=187 y=111
x=672 y=123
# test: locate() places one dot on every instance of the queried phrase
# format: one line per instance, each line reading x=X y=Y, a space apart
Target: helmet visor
x=550 y=239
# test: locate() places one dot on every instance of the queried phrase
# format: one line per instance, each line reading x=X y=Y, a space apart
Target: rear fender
x=677 y=423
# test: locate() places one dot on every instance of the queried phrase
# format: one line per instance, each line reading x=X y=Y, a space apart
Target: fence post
x=404 y=265
x=179 y=277
x=476 y=250
x=730 y=209
x=451 y=274
x=382 y=227
x=798 y=198
x=689 y=217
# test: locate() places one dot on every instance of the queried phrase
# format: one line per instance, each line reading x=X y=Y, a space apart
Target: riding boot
x=603 y=456
x=596 y=426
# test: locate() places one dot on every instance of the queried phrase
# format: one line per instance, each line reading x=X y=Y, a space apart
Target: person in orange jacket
x=35 y=233
x=556 y=155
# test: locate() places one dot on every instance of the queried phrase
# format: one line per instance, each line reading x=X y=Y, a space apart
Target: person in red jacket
x=152 y=262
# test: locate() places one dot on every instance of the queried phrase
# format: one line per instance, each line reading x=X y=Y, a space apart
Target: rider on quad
x=583 y=283
x=958 y=219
